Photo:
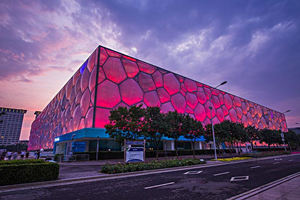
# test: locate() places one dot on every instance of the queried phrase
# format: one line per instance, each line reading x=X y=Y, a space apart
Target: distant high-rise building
x=11 y=120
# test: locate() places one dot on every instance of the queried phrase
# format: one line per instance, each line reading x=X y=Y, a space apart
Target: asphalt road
x=202 y=183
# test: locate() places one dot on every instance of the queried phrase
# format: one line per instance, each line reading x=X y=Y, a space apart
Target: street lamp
x=211 y=120
x=281 y=133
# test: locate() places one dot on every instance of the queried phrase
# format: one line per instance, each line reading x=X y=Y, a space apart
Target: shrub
x=57 y=157
x=131 y=167
x=15 y=172
x=233 y=159
x=20 y=162
x=265 y=149
x=266 y=153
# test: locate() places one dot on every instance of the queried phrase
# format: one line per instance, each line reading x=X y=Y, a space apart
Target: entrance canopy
x=94 y=133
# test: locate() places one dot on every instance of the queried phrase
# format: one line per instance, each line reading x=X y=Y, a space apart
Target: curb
x=44 y=184
x=263 y=188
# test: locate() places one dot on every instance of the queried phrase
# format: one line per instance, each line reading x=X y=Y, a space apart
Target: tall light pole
x=211 y=120
x=281 y=133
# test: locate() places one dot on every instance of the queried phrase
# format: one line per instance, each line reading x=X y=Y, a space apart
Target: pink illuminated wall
x=120 y=80
x=71 y=109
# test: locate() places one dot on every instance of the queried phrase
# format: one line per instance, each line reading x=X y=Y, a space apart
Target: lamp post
x=211 y=120
x=281 y=133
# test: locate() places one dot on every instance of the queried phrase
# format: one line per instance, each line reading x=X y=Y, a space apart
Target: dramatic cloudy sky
x=254 y=45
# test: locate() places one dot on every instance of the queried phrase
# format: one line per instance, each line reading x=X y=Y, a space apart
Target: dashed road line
x=223 y=173
x=160 y=185
x=290 y=160
x=193 y=172
x=276 y=163
x=239 y=178
x=255 y=167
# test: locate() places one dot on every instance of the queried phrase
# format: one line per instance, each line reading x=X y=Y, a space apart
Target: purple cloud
x=254 y=45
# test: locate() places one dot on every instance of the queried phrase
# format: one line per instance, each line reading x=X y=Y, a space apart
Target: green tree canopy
x=125 y=123
x=269 y=136
x=175 y=130
x=292 y=139
x=155 y=125
x=193 y=130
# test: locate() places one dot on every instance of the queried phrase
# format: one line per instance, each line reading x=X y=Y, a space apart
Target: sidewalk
x=79 y=169
x=288 y=190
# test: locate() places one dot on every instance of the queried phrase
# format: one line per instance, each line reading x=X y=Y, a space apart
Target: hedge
x=266 y=154
x=264 y=149
x=104 y=155
x=20 y=162
x=131 y=167
x=233 y=159
x=28 y=172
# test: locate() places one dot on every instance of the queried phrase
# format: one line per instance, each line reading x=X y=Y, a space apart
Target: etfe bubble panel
x=126 y=81
x=71 y=109
x=120 y=80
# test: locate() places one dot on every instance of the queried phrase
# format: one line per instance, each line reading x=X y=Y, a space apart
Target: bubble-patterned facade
x=108 y=80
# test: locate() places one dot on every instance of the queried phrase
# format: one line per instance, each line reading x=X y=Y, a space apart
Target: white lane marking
x=255 y=167
x=239 y=178
x=276 y=163
x=278 y=159
x=260 y=189
x=160 y=185
x=192 y=172
x=223 y=173
x=290 y=160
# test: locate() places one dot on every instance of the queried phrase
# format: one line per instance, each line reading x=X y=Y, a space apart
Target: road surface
x=218 y=182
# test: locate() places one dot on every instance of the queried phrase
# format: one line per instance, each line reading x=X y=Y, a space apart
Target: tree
x=253 y=134
x=277 y=137
x=209 y=136
x=268 y=136
x=175 y=128
x=244 y=137
x=208 y=133
x=125 y=123
x=292 y=139
x=155 y=125
x=193 y=130
x=238 y=134
x=223 y=132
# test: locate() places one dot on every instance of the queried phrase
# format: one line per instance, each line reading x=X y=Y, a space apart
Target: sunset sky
x=254 y=45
